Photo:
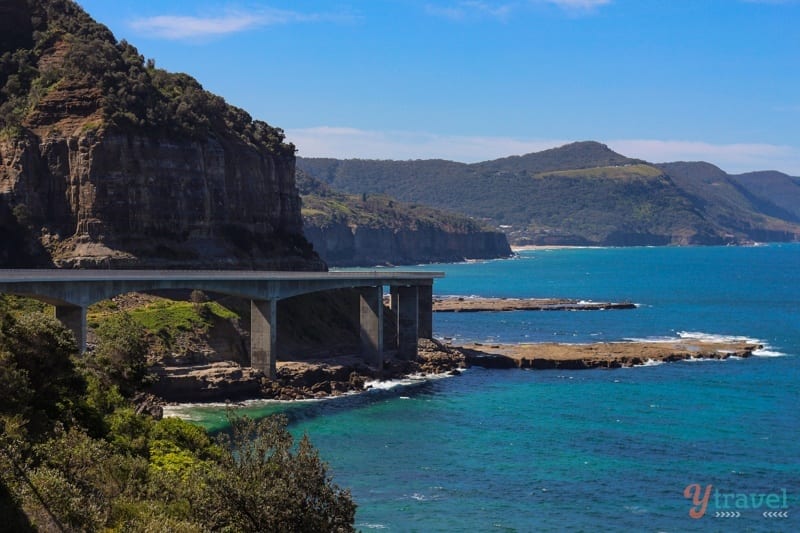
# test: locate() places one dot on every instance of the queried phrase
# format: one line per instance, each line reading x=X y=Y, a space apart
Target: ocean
x=686 y=446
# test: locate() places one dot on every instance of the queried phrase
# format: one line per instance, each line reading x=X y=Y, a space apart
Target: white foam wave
x=766 y=352
x=651 y=362
x=713 y=337
x=411 y=379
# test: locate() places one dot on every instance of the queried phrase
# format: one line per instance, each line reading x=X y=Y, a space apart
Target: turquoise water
x=516 y=450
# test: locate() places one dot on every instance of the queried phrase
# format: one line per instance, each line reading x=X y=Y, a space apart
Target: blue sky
x=470 y=80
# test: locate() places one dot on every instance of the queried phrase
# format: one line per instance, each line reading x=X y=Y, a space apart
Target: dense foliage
x=69 y=50
x=74 y=456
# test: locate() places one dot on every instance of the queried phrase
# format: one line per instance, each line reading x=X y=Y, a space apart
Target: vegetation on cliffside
x=68 y=49
x=323 y=206
x=367 y=229
x=74 y=456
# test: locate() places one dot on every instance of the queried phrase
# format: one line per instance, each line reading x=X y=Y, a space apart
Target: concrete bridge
x=72 y=291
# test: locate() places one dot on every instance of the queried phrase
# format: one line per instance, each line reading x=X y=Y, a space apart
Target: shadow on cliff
x=19 y=248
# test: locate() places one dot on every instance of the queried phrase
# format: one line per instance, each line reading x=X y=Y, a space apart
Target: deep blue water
x=592 y=450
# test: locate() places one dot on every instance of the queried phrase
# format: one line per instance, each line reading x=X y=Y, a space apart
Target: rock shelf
x=601 y=355
x=472 y=305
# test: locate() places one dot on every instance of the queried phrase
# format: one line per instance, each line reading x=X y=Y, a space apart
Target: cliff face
x=127 y=199
x=342 y=245
x=120 y=164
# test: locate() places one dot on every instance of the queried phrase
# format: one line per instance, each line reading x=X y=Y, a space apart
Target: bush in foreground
x=75 y=457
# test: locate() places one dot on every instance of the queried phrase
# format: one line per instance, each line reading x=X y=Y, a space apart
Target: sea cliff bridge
x=71 y=292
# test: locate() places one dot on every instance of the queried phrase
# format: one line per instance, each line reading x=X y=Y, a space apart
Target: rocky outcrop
x=340 y=244
x=204 y=383
x=550 y=356
x=457 y=304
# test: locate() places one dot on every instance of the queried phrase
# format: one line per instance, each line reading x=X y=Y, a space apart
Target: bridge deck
x=72 y=291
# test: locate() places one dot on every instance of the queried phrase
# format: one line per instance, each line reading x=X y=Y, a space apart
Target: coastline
x=335 y=377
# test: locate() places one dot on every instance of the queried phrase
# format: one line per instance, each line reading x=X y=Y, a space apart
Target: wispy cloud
x=343 y=143
x=183 y=27
x=477 y=9
x=733 y=157
x=469 y=9
x=578 y=6
x=326 y=141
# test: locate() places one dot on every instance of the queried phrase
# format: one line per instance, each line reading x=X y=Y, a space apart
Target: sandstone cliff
x=342 y=245
x=114 y=163
x=114 y=198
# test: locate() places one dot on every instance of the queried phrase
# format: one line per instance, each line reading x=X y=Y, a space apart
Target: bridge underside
x=411 y=296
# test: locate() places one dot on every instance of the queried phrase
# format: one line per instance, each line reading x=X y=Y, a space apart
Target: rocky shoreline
x=297 y=380
x=228 y=381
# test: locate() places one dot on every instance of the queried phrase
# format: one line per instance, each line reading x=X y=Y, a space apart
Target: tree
x=37 y=364
x=122 y=351
x=260 y=484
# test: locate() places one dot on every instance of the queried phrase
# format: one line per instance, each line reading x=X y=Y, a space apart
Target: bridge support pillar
x=425 y=295
x=405 y=302
x=371 y=320
x=263 y=330
x=74 y=318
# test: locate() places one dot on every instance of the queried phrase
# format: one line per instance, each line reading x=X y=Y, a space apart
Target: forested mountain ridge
x=581 y=193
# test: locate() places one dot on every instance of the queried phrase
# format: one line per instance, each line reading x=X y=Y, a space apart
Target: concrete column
x=407 y=322
x=371 y=319
x=74 y=318
x=425 y=293
x=263 y=329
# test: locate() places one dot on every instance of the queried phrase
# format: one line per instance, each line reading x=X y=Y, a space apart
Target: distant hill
x=731 y=206
x=370 y=229
x=581 y=193
x=776 y=188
